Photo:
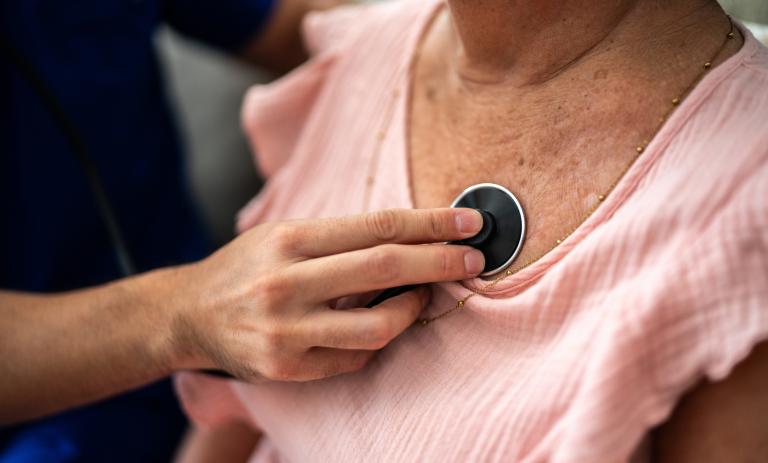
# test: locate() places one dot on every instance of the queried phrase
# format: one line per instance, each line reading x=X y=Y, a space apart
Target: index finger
x=324 y=237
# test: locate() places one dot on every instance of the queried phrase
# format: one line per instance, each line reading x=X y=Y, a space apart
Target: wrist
x=167 y=307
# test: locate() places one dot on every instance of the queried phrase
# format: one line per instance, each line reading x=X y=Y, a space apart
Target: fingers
x=330 y=342
x=341 y=341
x=320 y=362
x=365 y=329
x=385 y=267
x=323 y=237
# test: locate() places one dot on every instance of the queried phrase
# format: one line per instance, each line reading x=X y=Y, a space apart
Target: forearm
x=257 y=308
x=63 y=350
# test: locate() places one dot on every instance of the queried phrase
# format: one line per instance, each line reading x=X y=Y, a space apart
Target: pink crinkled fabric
x=573 y=359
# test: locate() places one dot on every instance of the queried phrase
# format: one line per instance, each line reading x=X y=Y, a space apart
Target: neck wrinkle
x=522 y=43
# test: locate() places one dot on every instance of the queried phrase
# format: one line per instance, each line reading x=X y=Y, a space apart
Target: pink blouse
x=573 y=359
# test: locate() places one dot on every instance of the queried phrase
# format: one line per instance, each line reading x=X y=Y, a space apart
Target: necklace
x=639 y=150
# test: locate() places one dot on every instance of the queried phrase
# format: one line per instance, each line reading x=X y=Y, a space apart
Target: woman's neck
x=525 y=42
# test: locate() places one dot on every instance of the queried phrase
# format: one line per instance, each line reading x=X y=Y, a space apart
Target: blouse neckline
x=624 y=188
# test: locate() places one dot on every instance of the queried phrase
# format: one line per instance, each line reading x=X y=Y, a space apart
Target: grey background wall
x=751 y=10
x=207 y=90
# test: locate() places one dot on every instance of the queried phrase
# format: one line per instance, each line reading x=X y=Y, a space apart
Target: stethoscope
x=76 y=142
x=499 y=239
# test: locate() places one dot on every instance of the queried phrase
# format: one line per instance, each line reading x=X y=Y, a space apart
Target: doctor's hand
x=262 y=307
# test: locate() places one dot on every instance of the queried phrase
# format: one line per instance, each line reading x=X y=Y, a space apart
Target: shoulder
x=355 y=51
x=757 y=58
x=739 y=96
x=716 y=153
x=361 y=25
x=733 y=137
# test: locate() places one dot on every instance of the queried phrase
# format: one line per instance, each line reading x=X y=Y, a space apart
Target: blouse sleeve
x=712 y=314
x=273 y=118
x=209 y=401
x=274 y=115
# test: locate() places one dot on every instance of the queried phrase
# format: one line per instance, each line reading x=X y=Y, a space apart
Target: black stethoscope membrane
x=503 y=232
x=499 y=240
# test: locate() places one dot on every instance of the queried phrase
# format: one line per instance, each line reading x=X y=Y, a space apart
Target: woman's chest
x=561 y=162
x=506 y=379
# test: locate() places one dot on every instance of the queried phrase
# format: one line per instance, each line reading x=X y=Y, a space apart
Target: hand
x=262 y=306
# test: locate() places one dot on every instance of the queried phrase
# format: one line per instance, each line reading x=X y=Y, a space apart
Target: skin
x=721 y=422
x=239 y=310
x=557 y=118
x=496 y=76
x=492 y=80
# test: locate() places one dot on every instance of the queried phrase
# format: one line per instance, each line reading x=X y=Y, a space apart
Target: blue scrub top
x=98 y=58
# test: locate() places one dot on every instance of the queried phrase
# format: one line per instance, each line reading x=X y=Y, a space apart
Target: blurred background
x=208 y=87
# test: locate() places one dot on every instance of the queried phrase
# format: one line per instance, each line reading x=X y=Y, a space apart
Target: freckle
x=521 y=162
x=600 y=74
x=431 y=93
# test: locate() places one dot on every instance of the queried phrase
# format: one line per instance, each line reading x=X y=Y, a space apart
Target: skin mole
x=430 y=93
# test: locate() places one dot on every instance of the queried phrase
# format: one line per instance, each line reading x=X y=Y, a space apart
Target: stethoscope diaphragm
x=499 y=240
x=503 y=232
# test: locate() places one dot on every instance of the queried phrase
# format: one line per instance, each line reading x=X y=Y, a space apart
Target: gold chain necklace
x=639 y=149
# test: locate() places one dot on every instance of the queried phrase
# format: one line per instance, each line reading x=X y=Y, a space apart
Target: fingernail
x=469 y=222
x=474 y=261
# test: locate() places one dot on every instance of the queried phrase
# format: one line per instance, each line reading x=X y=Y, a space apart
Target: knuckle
x=267 y=229
x=443 y=264
x=270 y=370
x=380 y=333
x=272 y=290
x=274 y=340
x=437 y=226
x=383 y=264
x=358 y=363
x=287 y=238
x=384 y=225
x=279 y=371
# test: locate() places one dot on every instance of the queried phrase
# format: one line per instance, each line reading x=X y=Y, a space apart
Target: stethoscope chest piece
x=503 y=230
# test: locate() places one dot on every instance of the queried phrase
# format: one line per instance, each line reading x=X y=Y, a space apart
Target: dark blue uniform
x=98 y=58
